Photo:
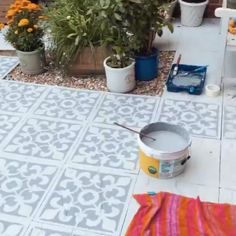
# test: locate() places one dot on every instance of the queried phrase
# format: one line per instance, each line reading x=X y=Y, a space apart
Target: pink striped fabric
x=167 y=214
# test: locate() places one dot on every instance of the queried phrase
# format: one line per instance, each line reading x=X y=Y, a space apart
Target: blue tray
x=189 y=78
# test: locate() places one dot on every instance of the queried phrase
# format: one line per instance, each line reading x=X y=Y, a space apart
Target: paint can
x=168 y=155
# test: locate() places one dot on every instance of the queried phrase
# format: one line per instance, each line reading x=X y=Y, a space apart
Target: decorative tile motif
x=7 y=123
x=89 y=200
x=108 y=147
x=135 y=111
x=7 y=64
x=68 y=104
x=44 y=139
x=230 y=122
x=22 y=186
x=198 y=118
x=10 y=229
x=39 y=231
x=18 y=97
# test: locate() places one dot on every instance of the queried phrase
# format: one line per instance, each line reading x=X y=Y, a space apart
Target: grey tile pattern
x=23 y=185
x=10 y=229
x=229 y=122
x=43 y=139
x=200 y=119
x=108 y=146
x=62 y=161
x=135 y=111
x=18 y=97
x=45 y=231
x=7 y=64
x=68 y=104
x=7 y=123
x=89 y=199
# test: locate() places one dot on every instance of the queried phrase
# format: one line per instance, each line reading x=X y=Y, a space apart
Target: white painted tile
x=228 y=163
x=230 y=69
x=203 y=167
x=204 y=38
x=227 y=196
x=230 y=90
x=146 y=183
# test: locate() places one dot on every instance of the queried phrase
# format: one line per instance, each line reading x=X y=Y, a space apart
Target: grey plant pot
x=32 y=62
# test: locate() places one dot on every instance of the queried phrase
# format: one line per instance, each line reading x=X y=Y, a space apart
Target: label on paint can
x=168 y=168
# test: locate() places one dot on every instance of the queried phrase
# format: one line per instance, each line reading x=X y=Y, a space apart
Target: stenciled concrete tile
x=10 y=228
x=7 y=123
x=43 y=139
x=200 y=119
x=90 y=200
x=23 y=186
x=7 y=64
x=135 y=111
x=39 y=229
x=18 y=97
x=107 y=146
x=229 y=122
x=70 y=104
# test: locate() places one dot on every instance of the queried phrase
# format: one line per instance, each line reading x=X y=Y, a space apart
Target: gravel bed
x=55 y=77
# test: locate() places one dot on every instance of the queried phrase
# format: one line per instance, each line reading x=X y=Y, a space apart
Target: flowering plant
x=24 y=31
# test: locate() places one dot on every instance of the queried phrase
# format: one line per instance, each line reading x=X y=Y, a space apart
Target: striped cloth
x=167 y=214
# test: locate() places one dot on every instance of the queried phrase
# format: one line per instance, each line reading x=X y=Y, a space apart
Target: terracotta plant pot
x=32 y=62
x=89 y=62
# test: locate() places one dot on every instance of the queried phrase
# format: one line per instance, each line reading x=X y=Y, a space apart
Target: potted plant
x=76 y=32
x=170 y=7
x=25 y=35
x=145 y=19
x=192 y=12
x=119 y=67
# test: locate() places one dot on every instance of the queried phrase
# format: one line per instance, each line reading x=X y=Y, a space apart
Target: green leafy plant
x=145 y=18
x=74 y=25
x=117 y=34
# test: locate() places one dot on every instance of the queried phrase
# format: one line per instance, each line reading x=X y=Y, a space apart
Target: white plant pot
x=192 y=13
x=120 y=80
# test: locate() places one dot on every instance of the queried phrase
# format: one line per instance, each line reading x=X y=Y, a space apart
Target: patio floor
x=65 y=169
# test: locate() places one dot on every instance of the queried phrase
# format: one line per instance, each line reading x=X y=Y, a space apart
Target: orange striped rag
x=167 y=214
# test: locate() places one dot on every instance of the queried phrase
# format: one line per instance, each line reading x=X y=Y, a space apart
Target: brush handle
x=179 y=59
x=176 y=68
x=144 y=135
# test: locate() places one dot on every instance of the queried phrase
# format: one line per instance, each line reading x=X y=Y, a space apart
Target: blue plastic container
x=190 y=79
x=146 y=67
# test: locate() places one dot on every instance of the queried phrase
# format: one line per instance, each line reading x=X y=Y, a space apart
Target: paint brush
x=176 y=68
x=144 y=135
